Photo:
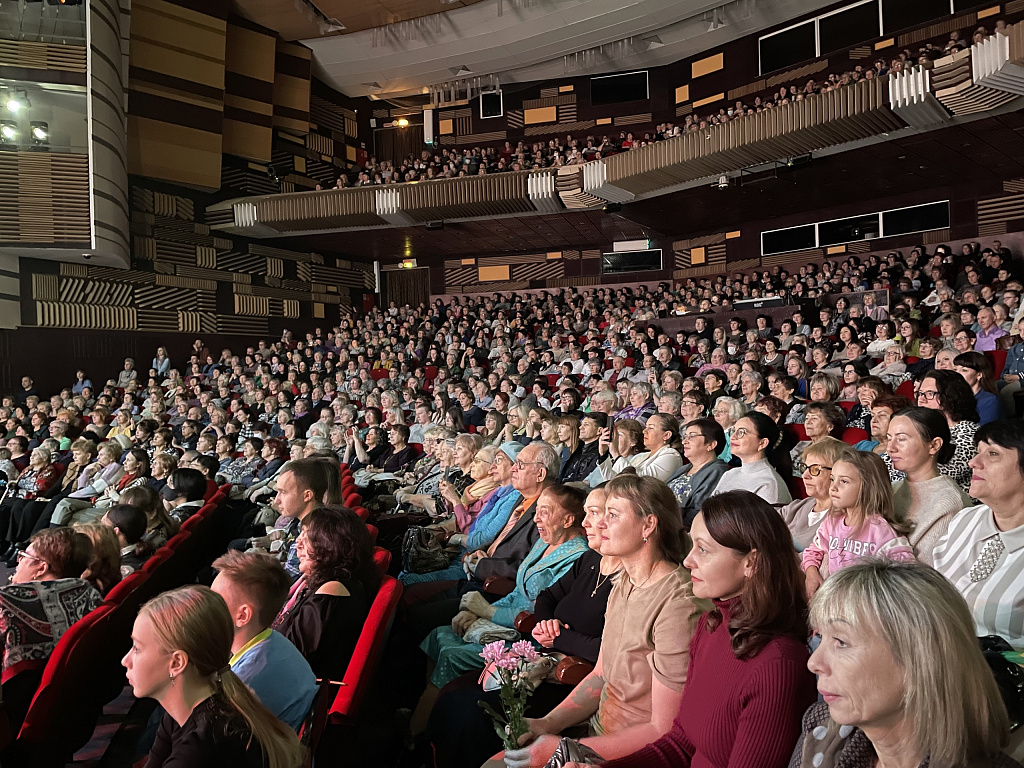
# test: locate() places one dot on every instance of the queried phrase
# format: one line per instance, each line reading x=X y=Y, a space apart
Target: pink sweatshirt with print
x=843 y=546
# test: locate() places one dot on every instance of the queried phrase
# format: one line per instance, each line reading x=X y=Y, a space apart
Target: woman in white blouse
x=660 y=460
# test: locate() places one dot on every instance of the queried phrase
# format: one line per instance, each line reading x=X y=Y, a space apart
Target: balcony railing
x=987 y=76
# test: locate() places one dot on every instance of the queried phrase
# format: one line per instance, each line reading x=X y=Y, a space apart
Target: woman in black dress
x=329 y=603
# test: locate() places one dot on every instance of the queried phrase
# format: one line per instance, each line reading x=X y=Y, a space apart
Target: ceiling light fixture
x=8 y=132
x=402 y=122
x=40 y=133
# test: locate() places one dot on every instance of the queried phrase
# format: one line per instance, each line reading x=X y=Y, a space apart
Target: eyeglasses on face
x=929 y=395
x=692 y=436
x=812 y=469
x=740 y=433
x=520 y=464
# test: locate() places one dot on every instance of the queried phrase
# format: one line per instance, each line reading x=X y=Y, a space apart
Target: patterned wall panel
x=176 y=92
x=539 y=270
x=249 y=90
x=165 y=297
x=76 y=291
x=60 y=315
x=292 y=87
x=44 y=199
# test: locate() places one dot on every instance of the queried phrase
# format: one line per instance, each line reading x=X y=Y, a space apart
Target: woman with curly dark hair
x=327 y=606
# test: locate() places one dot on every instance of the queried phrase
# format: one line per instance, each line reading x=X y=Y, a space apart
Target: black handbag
x=423 y=551
x=1009 y=676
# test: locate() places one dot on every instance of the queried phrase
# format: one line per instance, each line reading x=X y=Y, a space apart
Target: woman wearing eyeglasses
x=815 y=469
x=46 y=596
x=948 y=392
x=755 y=442
x=703 y=440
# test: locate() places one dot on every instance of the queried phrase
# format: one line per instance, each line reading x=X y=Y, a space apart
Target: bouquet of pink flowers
x=512 y=666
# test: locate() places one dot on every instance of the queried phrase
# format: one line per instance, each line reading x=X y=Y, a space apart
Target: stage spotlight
x=402 y=122
x=14 y=104
x=8 y=132
x=40 y=133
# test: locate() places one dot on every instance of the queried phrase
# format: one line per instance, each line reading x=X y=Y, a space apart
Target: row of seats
x=84 y=671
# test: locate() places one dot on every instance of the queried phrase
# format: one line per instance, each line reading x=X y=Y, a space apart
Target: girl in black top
x=181 y=644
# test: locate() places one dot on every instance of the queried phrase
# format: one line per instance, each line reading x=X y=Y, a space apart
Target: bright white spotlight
x=14 y=104
x=8 y=131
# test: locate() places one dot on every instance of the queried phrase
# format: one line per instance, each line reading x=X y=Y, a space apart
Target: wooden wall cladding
x=293 y=64
x=25 y=54
x=249 y=90
x=44 y=199
x=185 y=279
x=176 y=93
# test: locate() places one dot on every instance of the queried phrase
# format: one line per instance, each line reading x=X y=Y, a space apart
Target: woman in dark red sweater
x=748 y=683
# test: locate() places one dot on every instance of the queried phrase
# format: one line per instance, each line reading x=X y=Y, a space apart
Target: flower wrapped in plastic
x=511 y=666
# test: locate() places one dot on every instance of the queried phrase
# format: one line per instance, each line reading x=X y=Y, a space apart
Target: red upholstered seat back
x=853 y=435
x=381 y=559
x=364 y=661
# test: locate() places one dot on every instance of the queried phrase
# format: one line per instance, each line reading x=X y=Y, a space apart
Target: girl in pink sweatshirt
x=862 y=522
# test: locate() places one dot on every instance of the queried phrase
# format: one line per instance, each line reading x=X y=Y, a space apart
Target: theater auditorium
x=511 y=383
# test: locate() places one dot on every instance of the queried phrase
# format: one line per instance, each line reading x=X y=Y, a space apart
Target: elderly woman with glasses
x=703 y=440
x=641 y=403
x=815 y=470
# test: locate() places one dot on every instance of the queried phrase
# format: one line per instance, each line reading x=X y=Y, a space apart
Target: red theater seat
x=381 y=559
x=363 y=665
x=853 y=435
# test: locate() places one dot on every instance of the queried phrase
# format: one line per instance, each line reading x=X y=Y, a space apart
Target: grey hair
x=956 y=713
x=737 y=410
x=548 y=457
x=319 y=443
x=754 y=376
x=647 y=389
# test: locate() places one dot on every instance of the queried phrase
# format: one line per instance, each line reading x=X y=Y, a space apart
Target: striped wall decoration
x=290 y=308
x=567 y=113
x=326 y=298
x=964 y=21
x=716 y=253
x=514 y=118
x=333 y=275
x=208 y=286
x=573 y=282
x=257 y=306
x=1014 y=185
x=213 y=274
x=546 y=93
x=784 y=258
x=281 y=253
x=45 y=287
x=196 y=322
x=292 y=70
x=206 y=256
x=249 y=90
x=457 y=276
x=861 y=52
x=463 y=126
x=455 y=114
x=77 y=291
x=684 y=109
x=44 y=199
x=571 y=255
x=329 y=116
x=59 y=57
x=994 y=213
x=550 y=101
x=176 y=92
x=521 y=258
x=556 y=128
x=479 y=138
x=542 y=270
x=275 y=267
x=165 y=297
x=255 y=326
x=304 y=271
x=682 y=259
x=935 y=237
x=632 y=119
x=681 y=274
x=132 y=276
x=51 y=314
x=796 y=75
x=743 y=90
x=594 y=253
x=242 y=262
x=151 y=319
x=76 y=270
x=745 y=263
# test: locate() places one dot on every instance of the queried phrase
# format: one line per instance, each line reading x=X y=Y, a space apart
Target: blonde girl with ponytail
x=181 y=648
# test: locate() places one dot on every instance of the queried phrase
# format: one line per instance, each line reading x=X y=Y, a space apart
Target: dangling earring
x=645 y=539
x=172 y=678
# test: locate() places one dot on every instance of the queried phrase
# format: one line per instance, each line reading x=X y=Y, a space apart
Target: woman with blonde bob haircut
x=901 y=673
x=181 y=647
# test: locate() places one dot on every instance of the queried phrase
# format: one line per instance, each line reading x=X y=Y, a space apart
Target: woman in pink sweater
x=747 y=683
x=862 y=522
